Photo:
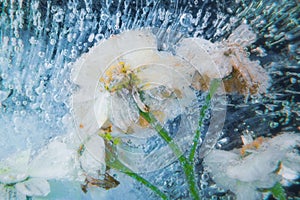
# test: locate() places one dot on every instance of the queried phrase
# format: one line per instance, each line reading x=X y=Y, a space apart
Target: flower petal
x=93 y=158
x=54 y=162
x=89 y=68
x=33 y=187
x=14 y=168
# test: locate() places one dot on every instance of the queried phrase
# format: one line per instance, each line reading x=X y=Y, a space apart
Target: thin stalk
x=213 y=88
x=114 y=163
x=147 y=184
x=186 y=165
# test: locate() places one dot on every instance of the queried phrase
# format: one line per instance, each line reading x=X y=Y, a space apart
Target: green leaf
x=278 y=191
x=116 y=141
x=107 y=136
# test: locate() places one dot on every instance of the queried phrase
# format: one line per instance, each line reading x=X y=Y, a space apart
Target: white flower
x=110 y=76
x=230 y=58
x=275 y=160
x=136 y=48
x=59 y=160
x=14 y=171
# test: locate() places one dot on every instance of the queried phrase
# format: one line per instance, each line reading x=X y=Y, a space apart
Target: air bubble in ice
x=52 y=41
x=274 y=124
x=205 y=176
x=293 y=48
x=32 y=40
x=91 y=37
x=41 y=54
x=203 y=185
x=293 y=80
x=59 y=16
x=186 y=19
x=104 y=17
x=10 y=86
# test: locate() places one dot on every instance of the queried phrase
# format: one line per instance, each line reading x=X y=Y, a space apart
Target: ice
x=3 y=95
x=41 y=40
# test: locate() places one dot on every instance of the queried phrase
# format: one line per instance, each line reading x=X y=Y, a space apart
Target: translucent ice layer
x=255 y=44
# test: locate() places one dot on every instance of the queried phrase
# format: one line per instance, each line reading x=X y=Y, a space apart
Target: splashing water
x=40 y=41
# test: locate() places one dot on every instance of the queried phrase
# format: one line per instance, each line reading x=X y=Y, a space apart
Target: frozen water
x=40 y=40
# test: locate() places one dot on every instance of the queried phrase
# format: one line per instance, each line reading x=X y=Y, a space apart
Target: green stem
x=186 y=165
x=114 y=163
x=147 y=184
x=213 y=88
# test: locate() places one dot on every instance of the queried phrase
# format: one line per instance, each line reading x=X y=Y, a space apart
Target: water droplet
x=52 y=41
x=145 y=9
x=32 y=40
x=293 y=80
x=23 y=112
x=118 y=14
x=186 y=19
x=99 y=37
x=69 y=37
x=104 y=17
x=10 y=86
x=203 y=185
x=54 y=9
x=274 y=124
x=32 y=98
x=4 y=76
x=41 y=54
x=112 y=159
x=18 y=103
x=59 y=16
x=293 y=47
x=214 y=197
x=13 y=41
x=91 y=37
